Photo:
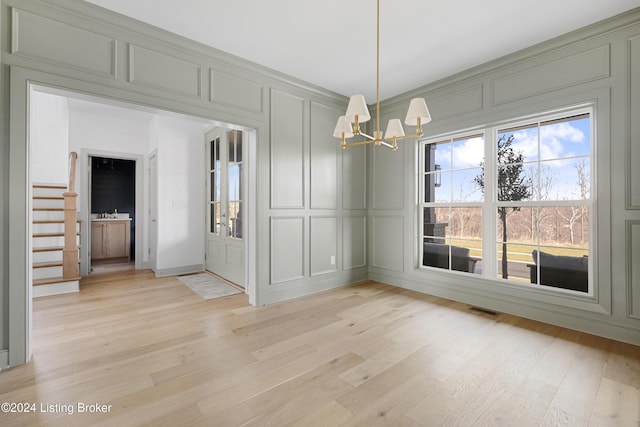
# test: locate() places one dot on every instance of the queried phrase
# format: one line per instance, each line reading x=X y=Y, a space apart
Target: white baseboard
x=4 y=359
x=55 y=289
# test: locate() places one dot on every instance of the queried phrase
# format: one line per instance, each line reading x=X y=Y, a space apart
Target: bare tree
x=465 y=193
x=543 y=187
x=513 y=185
x=583 y=179
x=572 y=216
x=584 y=186
x=547 y=181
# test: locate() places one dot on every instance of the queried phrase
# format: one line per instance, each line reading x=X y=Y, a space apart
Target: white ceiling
x=331 y=43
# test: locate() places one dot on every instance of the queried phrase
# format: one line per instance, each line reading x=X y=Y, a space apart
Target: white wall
x=181 y=198
x=49 y=137
x=107 y=128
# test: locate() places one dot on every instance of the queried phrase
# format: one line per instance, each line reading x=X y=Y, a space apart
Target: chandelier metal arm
x=379 y=141
x=369 y=137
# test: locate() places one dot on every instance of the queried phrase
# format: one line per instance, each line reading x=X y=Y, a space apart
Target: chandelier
x=357 y=113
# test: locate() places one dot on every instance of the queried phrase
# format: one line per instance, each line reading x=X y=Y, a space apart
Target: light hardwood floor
x=368 y=354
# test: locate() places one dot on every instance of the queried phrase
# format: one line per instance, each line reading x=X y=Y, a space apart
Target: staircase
x=56 y=238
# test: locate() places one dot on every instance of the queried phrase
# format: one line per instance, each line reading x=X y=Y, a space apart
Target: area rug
x=208 y=286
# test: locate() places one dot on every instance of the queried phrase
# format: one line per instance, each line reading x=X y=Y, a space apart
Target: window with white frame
x=512 y=202
x=452 y=204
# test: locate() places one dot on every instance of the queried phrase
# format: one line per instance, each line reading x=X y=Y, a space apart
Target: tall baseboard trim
x=300 y=288
x=175 y=271
x=4 y=359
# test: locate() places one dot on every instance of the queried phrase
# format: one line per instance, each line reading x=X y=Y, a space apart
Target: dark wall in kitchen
x=113 y=186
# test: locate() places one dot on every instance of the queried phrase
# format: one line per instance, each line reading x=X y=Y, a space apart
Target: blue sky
x=558 y=146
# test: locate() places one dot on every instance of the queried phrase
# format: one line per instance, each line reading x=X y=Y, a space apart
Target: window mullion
x=421 y=202
x=489 y=230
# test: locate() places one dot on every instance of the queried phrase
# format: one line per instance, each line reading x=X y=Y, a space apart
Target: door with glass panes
x=225 y=178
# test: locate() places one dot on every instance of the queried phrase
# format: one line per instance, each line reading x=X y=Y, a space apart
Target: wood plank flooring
x=158 y=355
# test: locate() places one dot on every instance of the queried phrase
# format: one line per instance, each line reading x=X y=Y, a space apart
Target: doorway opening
x=113 y=213
x=31 y=133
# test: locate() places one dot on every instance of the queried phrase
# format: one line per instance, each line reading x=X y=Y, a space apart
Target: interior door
x=225 y=180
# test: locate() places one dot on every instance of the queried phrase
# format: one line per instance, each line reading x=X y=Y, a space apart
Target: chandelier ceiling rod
x=357 y=113
x=377 y=132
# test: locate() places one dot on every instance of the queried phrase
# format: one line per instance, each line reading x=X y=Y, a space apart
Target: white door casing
x=153 y=211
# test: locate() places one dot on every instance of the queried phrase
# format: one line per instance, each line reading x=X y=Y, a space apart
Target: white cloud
x=556 y=141
x=469 y=153
x=562 y=130
x=526 y=142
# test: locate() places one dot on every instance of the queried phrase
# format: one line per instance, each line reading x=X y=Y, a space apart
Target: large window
x=512 y=202
x=452 y=204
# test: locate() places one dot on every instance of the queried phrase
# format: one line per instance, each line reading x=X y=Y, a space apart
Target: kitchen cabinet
x=110 y=239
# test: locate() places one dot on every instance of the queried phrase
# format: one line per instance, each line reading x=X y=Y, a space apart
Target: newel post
x=70 y=259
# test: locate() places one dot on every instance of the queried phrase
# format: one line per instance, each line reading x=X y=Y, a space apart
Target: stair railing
x=70 y=251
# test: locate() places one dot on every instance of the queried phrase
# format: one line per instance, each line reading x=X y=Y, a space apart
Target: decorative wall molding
x=287 y=145
x=388 y=242
x=323 y=157
x=354 y=242
x=287 y=249
x=633 y=138
x=323 y=242
x=568 y=71
x=168 y=73
x=387 y=176
x=234 y=91
x=633 y=268
x=354 y=178
x=461 y=101
x=97 y=54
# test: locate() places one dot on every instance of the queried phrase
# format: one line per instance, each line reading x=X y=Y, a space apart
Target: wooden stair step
x=62 y=187
x=52 y=221
x=49 y=209
x=48 y=249
x=51 y=249
x=51 y=280
x=48 y=198
x=47 y=264
x=52 y=234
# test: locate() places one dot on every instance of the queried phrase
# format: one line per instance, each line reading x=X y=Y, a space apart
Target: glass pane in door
x=214 y=201
x=234 y=176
